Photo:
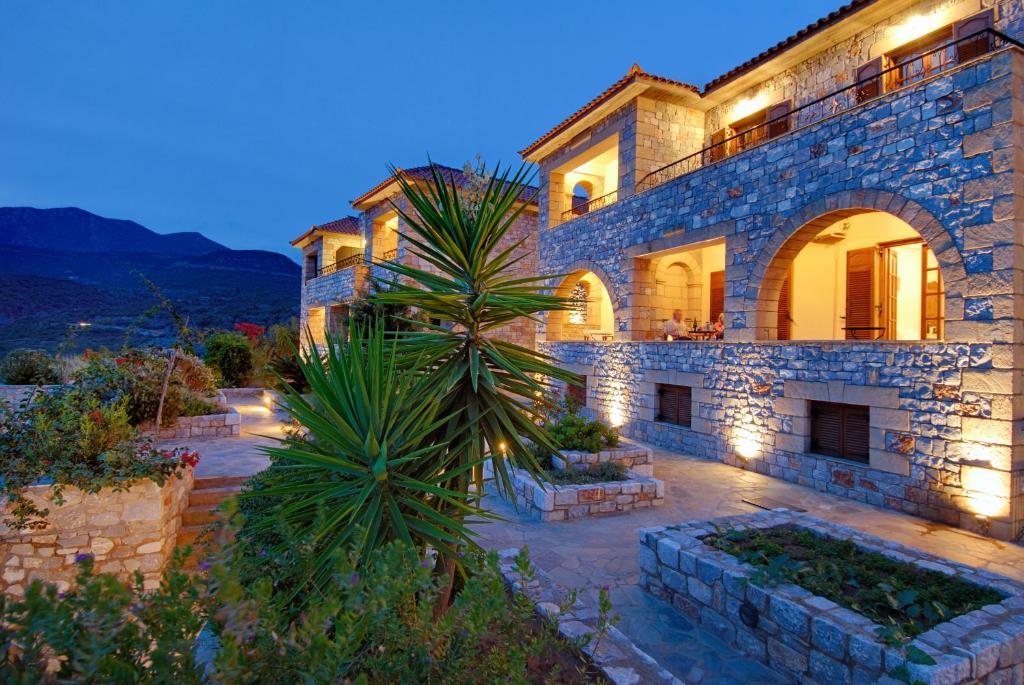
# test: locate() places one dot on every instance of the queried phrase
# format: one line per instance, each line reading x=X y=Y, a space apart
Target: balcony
x=581 y=208
x=347 y=263
x=908 y=71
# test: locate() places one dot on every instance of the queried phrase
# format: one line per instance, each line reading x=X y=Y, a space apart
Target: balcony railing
x=341 y=264
x=893 y=79
x=389 y=255
x=590 y=206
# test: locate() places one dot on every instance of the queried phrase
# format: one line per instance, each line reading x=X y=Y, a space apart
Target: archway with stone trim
x=592 y=318
x=907 y=267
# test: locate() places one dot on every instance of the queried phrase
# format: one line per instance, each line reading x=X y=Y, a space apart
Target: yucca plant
x=472 y=288
x=368 y=467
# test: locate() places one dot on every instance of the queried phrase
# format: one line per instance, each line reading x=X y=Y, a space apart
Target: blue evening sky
x=251 y=120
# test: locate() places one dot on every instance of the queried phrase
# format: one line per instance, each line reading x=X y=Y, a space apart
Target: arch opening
x=853 y=274
x=591 y=316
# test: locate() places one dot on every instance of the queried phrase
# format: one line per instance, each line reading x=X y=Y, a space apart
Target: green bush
x=136 y=379
x=574 y=432
x=71 y=437
x=102 y=630
x=29 y=367
x=606 y=472
x=230 y=355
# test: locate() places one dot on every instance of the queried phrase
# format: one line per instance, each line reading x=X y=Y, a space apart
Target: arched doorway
x=591 y=316
x=853 y=274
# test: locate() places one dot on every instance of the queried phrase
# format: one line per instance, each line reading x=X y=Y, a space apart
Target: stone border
x=621 y=661
x=206 y=427
x=809 y=638
x=636 y=458
x=237 y=393
x=16 y=394
x=125 y=530
x=550 y=502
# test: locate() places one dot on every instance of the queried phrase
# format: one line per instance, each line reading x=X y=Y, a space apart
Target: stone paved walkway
x=592 y=553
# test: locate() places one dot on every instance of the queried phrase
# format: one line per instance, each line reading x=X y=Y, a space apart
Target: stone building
x=340 y=258
x=848 y=204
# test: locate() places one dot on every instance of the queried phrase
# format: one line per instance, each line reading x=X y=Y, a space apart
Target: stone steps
x=203 y=501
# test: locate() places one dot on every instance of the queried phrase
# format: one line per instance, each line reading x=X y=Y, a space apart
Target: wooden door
x=890 y=285
x=717 y=294
x=783 y=327
x=860 y=300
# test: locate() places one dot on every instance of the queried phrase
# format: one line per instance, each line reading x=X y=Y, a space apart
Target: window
x=311 y=261
x=923 y=58
x=717 y=304
x=933 y=302
x=674 y=404
x=840 y=430
x=770 y=122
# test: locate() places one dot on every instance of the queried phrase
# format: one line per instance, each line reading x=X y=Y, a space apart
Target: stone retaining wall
x=809 y=639
x=134 y=529
x=549 y=502
x=228 y=424
x=634 y=457
x=15 y=394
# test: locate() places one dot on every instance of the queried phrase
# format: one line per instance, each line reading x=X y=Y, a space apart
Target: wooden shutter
x=860 y=303
x=869 y=85
x=717 y=151
x=855 y=433
x=840 y=430
x=717 y=294
x=979 y=44
x=783 y=328
x=826 y=428
x=674 y=404
x=778 y=119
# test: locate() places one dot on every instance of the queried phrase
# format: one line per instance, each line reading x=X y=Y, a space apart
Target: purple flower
x=353 y=579
x=204 y=565
x=606 y=588
x=426 y=563
x=263 y=552
x=83 y=557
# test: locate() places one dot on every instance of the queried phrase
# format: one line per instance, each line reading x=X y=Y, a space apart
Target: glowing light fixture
x=987 y=491
x=747 y=106
x=919 y=25
x=745 y=443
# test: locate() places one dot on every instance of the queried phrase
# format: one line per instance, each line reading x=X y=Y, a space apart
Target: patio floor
x=592 y=553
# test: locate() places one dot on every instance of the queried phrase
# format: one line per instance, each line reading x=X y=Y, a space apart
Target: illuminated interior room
x=588 y=182
x=591 y=317
x=691 y=280
x=385 y=237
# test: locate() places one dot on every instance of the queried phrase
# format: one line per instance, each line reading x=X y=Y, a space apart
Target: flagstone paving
x=601 y=552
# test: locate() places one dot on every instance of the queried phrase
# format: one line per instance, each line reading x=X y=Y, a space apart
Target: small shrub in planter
x=230 y=355
x=573 y=432
x=29 y=367
x=606 y=472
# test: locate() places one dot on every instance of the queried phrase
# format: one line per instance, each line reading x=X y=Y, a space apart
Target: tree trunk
x=163 y=390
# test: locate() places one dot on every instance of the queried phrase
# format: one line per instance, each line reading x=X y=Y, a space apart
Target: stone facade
x=809 y=639
x=128 y=530
x=940 y=155
x=636 y=458
x=549 y=502
x=226 y=425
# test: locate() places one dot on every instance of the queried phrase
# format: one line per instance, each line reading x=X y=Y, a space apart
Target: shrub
x=136 y=379
x=606 y=472
x=573 y=432
x=231 y=357
x=102 y=630
x=29 y=367
x=71 y=437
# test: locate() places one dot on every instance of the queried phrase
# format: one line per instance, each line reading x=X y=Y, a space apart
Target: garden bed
x=222 y=425
x=124 y=530
x=636 y=458
x=551 y=502
x=864 y=607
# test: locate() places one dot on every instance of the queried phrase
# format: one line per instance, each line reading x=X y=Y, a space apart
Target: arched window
x=582 y=193
x=590 y=315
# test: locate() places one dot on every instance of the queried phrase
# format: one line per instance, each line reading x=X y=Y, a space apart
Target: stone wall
x=224 y=425
x=550 y=502
x=941 y=156
x=636 y=458
x=16 y=394
x=134 y=529
x=810 y=639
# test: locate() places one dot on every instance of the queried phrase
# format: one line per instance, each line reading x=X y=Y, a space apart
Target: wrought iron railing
x=389 y=255
x=341 y=264
x=591 y=205
x=890 y=80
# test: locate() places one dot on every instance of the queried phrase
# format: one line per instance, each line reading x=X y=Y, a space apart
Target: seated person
x=674 y=329
x=719 y=327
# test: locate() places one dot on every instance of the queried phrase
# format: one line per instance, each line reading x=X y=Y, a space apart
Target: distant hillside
x=70 y=228
x=59 y=267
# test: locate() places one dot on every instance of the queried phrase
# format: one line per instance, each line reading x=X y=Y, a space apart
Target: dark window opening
x=840 y=430
x=577 y=392
x=674 y=404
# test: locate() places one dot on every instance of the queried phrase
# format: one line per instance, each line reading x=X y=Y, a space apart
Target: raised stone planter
x=549 y=502
x=125 y=531
x=809 y=639
x=638 y=459
x=223 y=425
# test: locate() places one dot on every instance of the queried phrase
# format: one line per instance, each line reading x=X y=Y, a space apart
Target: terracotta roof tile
x=635 y=73
x=348 y=225
x=457 y=176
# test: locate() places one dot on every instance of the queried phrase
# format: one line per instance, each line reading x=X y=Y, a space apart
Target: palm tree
x=472 y=289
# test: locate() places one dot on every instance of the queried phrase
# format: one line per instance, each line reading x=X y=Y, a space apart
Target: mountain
x=59 y=267
x=76 y=229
